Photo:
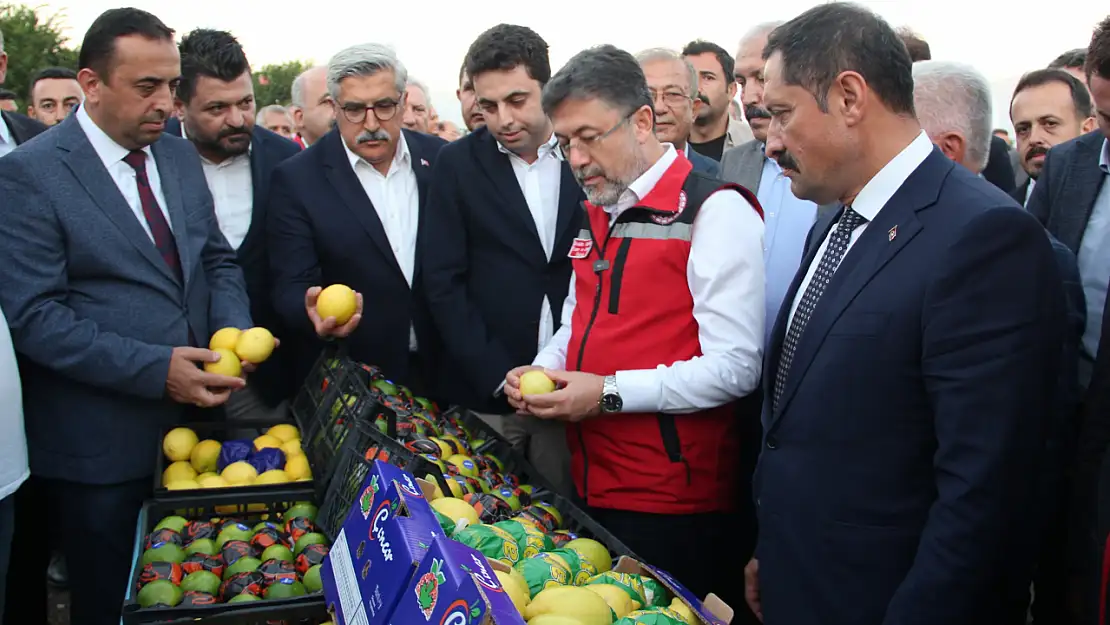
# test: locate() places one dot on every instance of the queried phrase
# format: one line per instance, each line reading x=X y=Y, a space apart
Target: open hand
x=186 y=383
x=329 y=326
x=577 y=397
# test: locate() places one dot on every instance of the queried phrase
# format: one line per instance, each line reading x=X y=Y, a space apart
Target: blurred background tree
x=273 y=84
x=33 y=40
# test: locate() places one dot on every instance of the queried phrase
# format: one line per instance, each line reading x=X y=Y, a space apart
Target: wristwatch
x=610 y=401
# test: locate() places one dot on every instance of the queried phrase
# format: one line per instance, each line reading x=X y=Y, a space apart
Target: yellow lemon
x=212 y=481
x=228 y=364
x=178 y=471
x=296 y=467
x=292 y=448
x=265 y=441
x=274 y=476
x=255 y=345
x=519 y=594
x=205 y=455
x=239 y=473
x=224 y=338
x=337 y=301
x=456 y=510
x=183 y=485
x=535 y=382
x=179 y=443
x=284 y=432
x=206 y=475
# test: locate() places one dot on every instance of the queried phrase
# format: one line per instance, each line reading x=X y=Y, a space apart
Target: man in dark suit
x=502 y=213
x=1072 y=199
x=349 y=210
x=215 y=101
x=899 y=443
x=673 y=82
x=114 y=269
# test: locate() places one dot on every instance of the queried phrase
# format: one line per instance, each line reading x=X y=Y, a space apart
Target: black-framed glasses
x=587 y=144
x=356 y=112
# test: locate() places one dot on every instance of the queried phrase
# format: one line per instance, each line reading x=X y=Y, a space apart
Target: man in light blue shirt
x=787 y=220
x=13 y=448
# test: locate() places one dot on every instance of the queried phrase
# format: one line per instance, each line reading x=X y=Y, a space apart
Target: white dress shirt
x=397 y=201
x=112 y=154
x=725 y=275
x=540 y=181
x=870 y=200
x=1029 y=191
x=13 y=441
x=7 y=141
x=232 y=192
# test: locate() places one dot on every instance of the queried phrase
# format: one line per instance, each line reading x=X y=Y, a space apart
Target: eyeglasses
x=384 y=110
x=670 y=98
x=587 y=144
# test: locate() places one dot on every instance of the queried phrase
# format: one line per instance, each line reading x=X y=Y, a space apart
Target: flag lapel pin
x=890 y=234
x=424 y=162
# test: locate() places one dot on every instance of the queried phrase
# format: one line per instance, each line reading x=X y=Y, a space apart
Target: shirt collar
x=6 y=133
x=106 y=147
x=878 y=191
x=401 y=157
x=643 y=185
x=1104 y=157
x=549 y=147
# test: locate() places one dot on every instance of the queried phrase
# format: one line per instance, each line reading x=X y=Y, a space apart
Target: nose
x=163 y=99
x=774 y=141
x=235 y=117
x=505 y=115
x=408 y=118
x=371 y=122
x=752 y=93
x=577 y=158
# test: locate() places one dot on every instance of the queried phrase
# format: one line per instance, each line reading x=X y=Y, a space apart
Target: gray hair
x=412 y=82
x=604 y=73
x=297 y=91
x=666 y=54
x=365 y=59
x=954 y=97
x=273 y=108
x=759 y=30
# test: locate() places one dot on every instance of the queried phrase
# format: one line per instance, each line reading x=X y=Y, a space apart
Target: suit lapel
x=422 y=168
x=338 y=170
x=81 y=158
x=499 y=169
x=1081 y=189
x=750 y=166
x=893 y=228
x=171 y=191
x=259 y=184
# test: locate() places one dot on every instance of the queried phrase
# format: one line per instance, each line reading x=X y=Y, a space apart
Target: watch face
x=611 y=403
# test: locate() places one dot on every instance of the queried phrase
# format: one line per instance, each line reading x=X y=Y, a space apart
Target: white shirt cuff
x=641 y=390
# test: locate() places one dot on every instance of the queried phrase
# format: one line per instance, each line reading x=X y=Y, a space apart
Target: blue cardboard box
x=381 y=544
x=711 y=611
x=455 y=585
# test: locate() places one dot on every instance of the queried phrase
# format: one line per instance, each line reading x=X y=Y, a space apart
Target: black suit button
x=772 y=442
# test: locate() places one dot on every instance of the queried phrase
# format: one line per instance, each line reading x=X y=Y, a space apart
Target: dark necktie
x=830 y=260
x=159 y=227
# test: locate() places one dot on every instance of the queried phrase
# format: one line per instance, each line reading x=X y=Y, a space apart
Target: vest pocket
x=617 y=276
x=672 y=446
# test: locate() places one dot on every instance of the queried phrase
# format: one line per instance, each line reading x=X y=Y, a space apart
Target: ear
x=3 y=66
x=731 y=89
x=643 y=122
x=458 y=94
x=1088 y=125
x=953 y=145
x=90 y=84
x=848 y=95
x=179 y=108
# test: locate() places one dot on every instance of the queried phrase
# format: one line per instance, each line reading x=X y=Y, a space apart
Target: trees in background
x=33 y=40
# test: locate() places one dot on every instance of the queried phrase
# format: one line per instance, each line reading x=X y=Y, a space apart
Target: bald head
x=311 y=109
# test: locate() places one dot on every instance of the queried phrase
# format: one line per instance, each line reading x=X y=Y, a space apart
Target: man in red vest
x=662 y=335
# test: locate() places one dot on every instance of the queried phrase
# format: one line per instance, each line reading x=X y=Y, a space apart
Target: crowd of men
x=842 y=332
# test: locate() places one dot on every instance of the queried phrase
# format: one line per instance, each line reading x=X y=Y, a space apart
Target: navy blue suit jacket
x=703 y=164
x=485 y=271
x=95 y=311
x=268 y=150
x=893 y=484
x=323 y=229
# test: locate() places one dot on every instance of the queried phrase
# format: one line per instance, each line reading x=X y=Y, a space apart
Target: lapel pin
x=424 y=162
x=890 y=234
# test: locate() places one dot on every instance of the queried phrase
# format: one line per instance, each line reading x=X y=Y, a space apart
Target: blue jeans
x=7 y=526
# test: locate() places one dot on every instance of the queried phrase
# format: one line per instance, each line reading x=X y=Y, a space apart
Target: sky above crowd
x=431 y=37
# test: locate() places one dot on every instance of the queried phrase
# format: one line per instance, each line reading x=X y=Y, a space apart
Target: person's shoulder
x=276 y=144
x=426 y=143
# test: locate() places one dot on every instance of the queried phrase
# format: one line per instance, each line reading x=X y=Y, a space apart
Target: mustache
x=587 y=172
x=786 y=161
x=232 y=131
x=704 y=98
x=373 y=135
x=1036 y=150
x=752 y=111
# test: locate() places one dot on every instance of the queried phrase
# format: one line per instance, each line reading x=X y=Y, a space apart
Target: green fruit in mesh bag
x=581 y=568
x=492 y=542
x=529 y=540
x=655 y=592
x=445 y=523
x=542 y=573
x=654 y=616
x=631 y=584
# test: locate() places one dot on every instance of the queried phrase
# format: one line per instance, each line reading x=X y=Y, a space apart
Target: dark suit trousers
x=94 y=526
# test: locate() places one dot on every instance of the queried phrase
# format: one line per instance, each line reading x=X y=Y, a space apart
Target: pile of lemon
x=194 y=462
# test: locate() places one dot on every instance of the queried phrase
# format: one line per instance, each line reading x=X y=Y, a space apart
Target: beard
x=228 y=142
x=610 y=190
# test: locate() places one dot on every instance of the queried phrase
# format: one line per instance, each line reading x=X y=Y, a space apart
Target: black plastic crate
x=362 y=446
x=218 y=431
x=250 y=507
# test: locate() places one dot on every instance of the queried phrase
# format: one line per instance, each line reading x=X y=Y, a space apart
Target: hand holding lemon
x=334 y=311
x=249 y=347
x=523 y=381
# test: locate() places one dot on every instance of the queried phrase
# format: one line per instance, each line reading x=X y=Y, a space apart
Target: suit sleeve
x=34 y=291
x=229 y=306
x=1040 y=201
x=993 y=330
x=446 y=262
x=294 y=264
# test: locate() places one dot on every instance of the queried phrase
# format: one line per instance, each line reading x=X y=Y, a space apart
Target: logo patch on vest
x=580 y=248
x=669 y=218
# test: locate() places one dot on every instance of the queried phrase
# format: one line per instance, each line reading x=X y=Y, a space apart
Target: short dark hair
x=50 y=73
x=7 y=94
x=699 y=47
x=99 y=45
x=1080 y=97
x=820 y=44
x=917 y=47
x=1072 y=59
x=1098 y=53
x=606 y=73
x=506 y=46
x=212 y=53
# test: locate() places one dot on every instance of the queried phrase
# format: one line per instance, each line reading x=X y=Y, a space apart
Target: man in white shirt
x=13 y=448
x=216 y=106
x=661 y=343
x=503 y=211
